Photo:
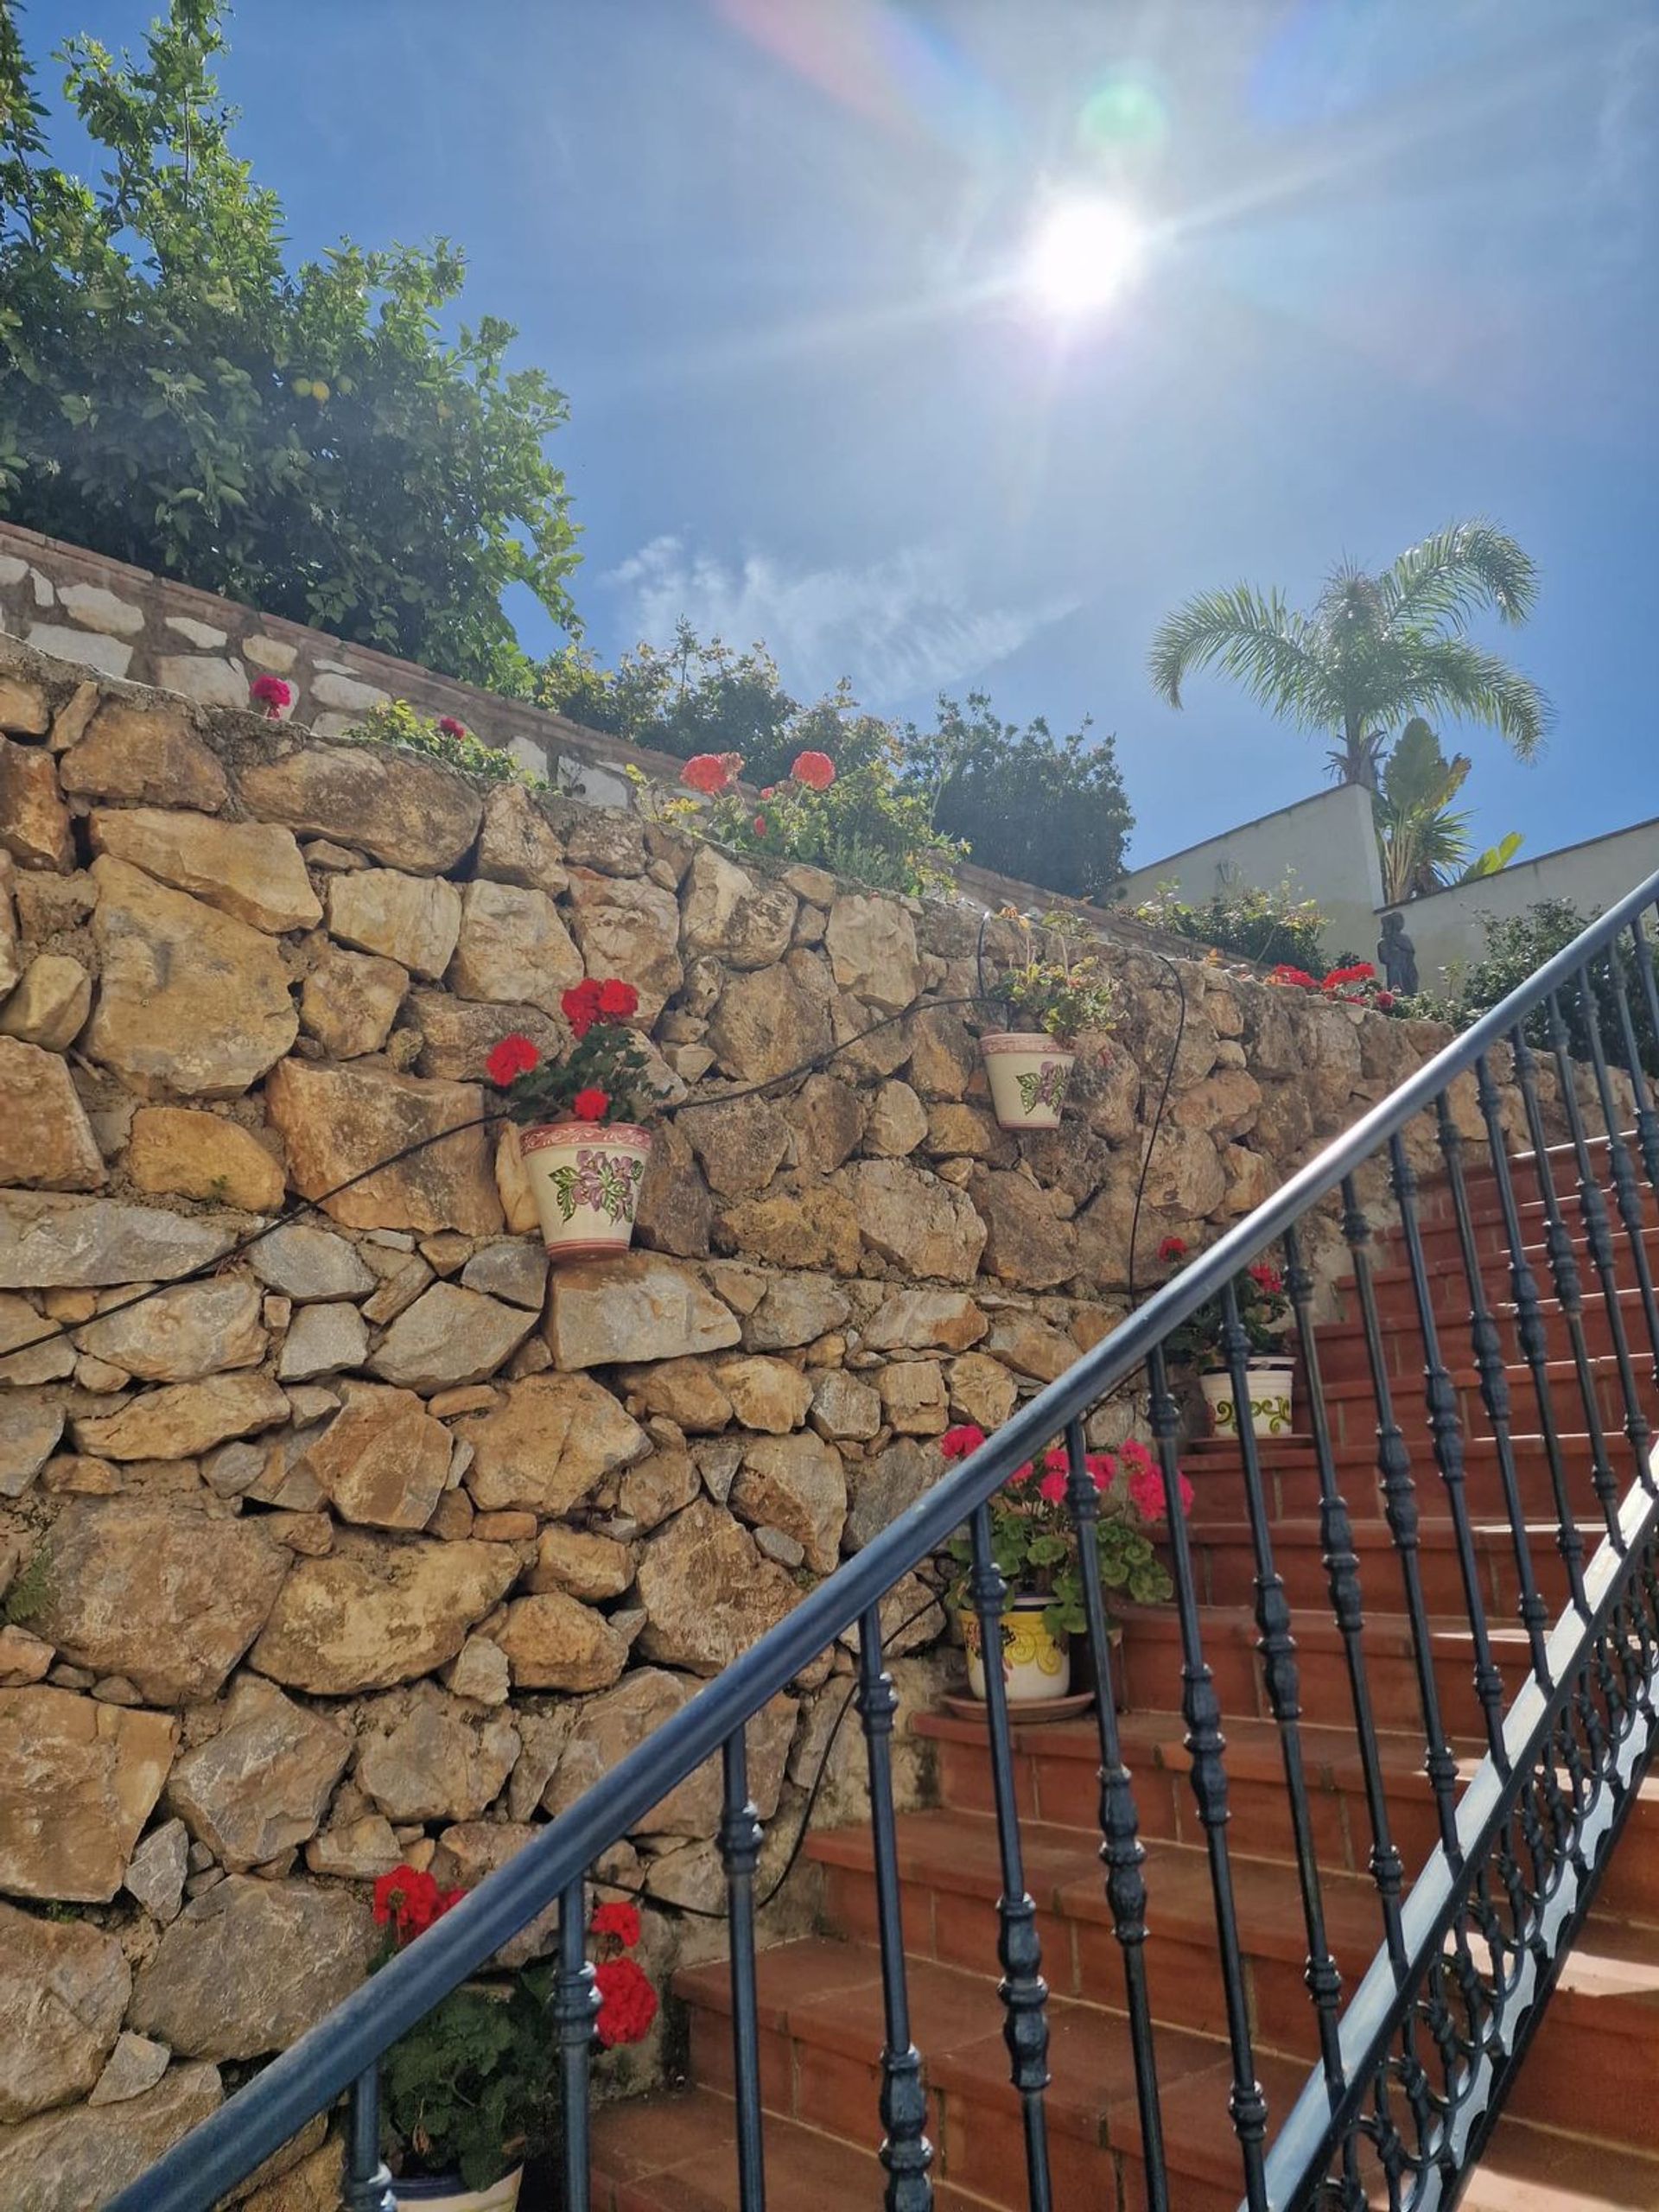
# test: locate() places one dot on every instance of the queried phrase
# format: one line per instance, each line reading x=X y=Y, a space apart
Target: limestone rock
x=30 y=1427
x=898 y=1122
x=828 y=1117
x=982 y=1390
x=34 y=820
x=966 y=1132
x=383 y=1460
x=189 y=1000
x=183 y=1334
x=184 y=1418
x=768 y=1022
x=63 y=1989
x=1025 y=1243
x=248 y=1966
x=629 y=928
x=513 y=948
x=25 y=710
x=156 y=1871
x=336 y=1122
x=147 y=755
x=201 y=1155
x=469 y=1851
x=1226 y=1103
x=812 y=1227
x=262 y=1784
x=796 y=1484
x=554 y=1642
x=872 y=947
x=50 y=1004
x=614 y=1724
x=23 y=1658
x=355 y=1851
x=944 y=1058
x=513 y=1269
x=919 y=1320
x=82 y=1778
x=583 y=1566
x=136 y=2064
x=766 y=1394
x=73 y=2161
x=349 y=999
x=412 y=919
x=370 y=1614
x=726 y=911
x=457 y=1034
x=739 y=1147
x=913 y=1218
x=48 y=1362
x=842 y=1406
x=881 y=1489
x=1029 y=1346
x=1185 y=1173
x=547 y=1446
x=147 y=1588
x=657 y=1486
x=913 y=1397
x=795 y=1310
x=517 y=843
x=301 y=1262
x=404 y=811
x=438 y=1763
x=46 y=1140
x=707 y=1592
x=450 y=1336
x=685 y=1391
x=640 y=1307
x=247 y=869
x=674 y=1211
x=322 y=1340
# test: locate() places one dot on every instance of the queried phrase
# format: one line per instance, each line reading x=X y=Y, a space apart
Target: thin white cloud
x=901 y=627
x=1624 y=173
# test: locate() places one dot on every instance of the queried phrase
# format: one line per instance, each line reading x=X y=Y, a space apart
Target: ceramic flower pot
x=1036 y=1665
x=1272 y=1382
x=586 y=1179
x=445 y=2193
x=1028 y=1072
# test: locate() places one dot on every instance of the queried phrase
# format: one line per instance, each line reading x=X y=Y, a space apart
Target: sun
x=1084 y=250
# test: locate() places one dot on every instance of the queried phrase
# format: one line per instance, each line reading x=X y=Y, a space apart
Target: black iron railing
x=1413 y=2068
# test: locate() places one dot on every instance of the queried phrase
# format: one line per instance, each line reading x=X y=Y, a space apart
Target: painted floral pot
x=586 y=1178
x=1036 y=1665
x=1028 y=1072
x=445 y=2193
x=1272 y=1388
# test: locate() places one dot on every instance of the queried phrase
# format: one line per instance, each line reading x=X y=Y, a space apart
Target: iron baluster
x=368 y=2185
x=576 y=2008
x=1445 y=1433
x=1530 y=1609
x=1022 y=1989
x=1647 y=1120
x=1627 y=1191
x=1120 y=1848
x=1564 y=1274
x=739 y=1852
x=1205 y=1745
x=906 y=2154
x=1533 y=1337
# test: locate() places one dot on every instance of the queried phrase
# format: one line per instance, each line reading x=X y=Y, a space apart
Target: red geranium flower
x=580 y=1005
x=770 y=792
x=957 y=1443
x=1361 y=972
x=1172 y=1248
x=1266 y=1278
x=627 y=2002
x=409 y=1902
x=816 y=769
x=272 y=694
x=1383 y=999
x=450 y=727
x=1284 y=973
x=1103 y=1468
x=618 y=999
x=619 y=1920
x=711 y=772
x=760 y=825
x=514 y=1055
x=591 y=1105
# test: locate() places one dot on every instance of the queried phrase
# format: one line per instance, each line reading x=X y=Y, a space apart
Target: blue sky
x=1402 y=272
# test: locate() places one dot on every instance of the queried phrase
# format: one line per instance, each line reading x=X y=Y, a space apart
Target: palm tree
x=1422 y=842
x=1373 y=650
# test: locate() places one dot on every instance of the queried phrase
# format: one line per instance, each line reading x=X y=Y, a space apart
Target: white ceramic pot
x=1272 y=1382
x=586 y=1178
x=444 y=2193
x=1028 y=1073
x=1036 y=1665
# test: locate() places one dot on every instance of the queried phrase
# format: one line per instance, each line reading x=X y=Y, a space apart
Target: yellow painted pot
x=1036 y=1665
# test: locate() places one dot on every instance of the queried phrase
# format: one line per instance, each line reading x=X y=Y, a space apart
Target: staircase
x=1580 y=2131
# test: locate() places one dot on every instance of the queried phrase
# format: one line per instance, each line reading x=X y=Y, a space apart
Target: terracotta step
x=1225 y=1560
x=1342 y=1343
x=1350 y=1403
x=1528 y=2169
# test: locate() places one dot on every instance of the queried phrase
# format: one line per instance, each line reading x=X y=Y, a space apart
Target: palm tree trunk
x=1359 y=763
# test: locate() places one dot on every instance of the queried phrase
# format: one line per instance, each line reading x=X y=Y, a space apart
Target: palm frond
x=1253 y=637
x=1456 y=573
x=1449 y=675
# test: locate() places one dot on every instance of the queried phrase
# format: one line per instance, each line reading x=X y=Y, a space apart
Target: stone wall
x=372 y=1544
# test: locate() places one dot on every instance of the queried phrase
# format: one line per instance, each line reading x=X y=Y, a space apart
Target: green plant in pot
x=1034 y=1545
x=1053 y=992
x=1270 y=1369
x=471 y=2093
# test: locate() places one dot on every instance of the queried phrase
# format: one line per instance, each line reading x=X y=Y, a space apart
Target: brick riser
x=1579 y=2134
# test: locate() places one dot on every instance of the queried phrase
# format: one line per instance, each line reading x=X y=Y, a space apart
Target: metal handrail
x=314 y=2072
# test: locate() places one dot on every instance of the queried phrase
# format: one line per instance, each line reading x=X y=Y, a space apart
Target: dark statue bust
x=1397 y=957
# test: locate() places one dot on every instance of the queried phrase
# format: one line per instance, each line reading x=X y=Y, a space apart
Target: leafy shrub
x=446 y=740
x=1274 y=928
x=1053 y=987
x=172 y=394
x=1518 y=944
x=859 y=823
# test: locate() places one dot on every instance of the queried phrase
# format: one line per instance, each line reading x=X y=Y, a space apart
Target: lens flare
x=1083 y=252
